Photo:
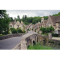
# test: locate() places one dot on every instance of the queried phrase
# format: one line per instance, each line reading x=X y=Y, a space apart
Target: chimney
x=49 y=15
x=15 y=20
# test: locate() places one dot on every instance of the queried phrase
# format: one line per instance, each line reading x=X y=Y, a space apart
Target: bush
x=14 y=31
x=51 y=41
x=38 y=47
x=5 y=33
x=1 y=35
x=59 y=43
x=35 y=30
x=19 y=30
x=24 y=31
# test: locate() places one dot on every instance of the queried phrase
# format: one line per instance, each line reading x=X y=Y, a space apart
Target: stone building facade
x=16 y=24
x=53 y=21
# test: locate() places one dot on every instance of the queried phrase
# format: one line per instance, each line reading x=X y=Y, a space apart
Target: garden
x=47 y=30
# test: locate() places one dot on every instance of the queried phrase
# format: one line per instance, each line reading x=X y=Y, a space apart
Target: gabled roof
x=55 y=19
x=45 y=21
x=13 y=23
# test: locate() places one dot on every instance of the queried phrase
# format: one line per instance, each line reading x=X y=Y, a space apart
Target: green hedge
x=13 y=30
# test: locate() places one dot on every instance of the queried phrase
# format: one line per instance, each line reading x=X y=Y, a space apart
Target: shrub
x=59 y=43
x=1 y=35
x=24 y=31
x=38 y=46
x=14 y=31
x=19 y=30
x=51 y=41
x=5 y=33
x=35 y=30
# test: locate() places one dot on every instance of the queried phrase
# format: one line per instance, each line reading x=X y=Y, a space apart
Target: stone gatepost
x=50 y=35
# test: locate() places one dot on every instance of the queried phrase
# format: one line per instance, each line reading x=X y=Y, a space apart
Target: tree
x=51 y=29
x=4 y=22
x=25 y=16
x=11 y=19
x=2 y=13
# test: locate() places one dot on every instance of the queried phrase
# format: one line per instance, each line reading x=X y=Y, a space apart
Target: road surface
x=10 y=43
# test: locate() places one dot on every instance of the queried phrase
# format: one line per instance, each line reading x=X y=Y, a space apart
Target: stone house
x=43 y=22
x=16 y=24
x=53 y=21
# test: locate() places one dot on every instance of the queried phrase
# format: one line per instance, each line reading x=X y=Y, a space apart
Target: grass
x=38 y=47
x=1 y=35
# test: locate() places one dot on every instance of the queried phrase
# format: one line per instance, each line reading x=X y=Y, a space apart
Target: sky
x=31 y=13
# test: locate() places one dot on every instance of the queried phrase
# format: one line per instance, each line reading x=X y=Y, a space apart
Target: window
x=17 y=25
x=49 y=25
x=59 y=25
x=10 y=25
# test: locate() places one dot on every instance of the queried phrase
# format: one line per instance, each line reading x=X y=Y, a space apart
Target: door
x=58 y=31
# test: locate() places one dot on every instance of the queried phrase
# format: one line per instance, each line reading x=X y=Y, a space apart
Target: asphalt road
x=10 y=43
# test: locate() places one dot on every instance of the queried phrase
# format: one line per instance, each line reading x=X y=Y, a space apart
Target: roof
x=45 y=21
x=55 y=19
x=13 y=23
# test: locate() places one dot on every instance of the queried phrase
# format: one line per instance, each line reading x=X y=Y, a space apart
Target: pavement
x=10 y=43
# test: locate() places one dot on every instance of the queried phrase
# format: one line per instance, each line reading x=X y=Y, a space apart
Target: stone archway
x=34 y=42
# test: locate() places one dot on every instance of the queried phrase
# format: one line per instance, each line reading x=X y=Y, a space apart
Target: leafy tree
x=4 y=22
x=2 y=13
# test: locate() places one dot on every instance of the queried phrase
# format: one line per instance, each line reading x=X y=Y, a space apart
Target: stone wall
x=26 y=41
x=10 y=35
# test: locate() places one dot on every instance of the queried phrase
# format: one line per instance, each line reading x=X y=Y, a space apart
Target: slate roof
x=45 y=21
x=13 y=23
x=55 y=19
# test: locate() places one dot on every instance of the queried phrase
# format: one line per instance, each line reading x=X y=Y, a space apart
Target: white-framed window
x=10 y=25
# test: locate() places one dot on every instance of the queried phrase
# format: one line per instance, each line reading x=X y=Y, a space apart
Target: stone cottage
x=52 y=21
x=16 y=24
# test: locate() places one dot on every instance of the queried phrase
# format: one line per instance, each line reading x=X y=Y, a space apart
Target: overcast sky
x=31 y=13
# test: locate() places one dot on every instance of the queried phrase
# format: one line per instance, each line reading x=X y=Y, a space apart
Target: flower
x=22 y=31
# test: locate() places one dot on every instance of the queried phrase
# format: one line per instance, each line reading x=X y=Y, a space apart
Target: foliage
x=47 y=30
x=50 y=41
x=27 y=29
x=35 y=30
x=32 y=28
x=38 y=47
x=19 y=30
x=24 y=31
x=4 y=22
x=14 y=31
x=1 y=35
x=59 y=43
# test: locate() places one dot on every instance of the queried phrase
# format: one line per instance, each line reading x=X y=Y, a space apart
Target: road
x=10 y=43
